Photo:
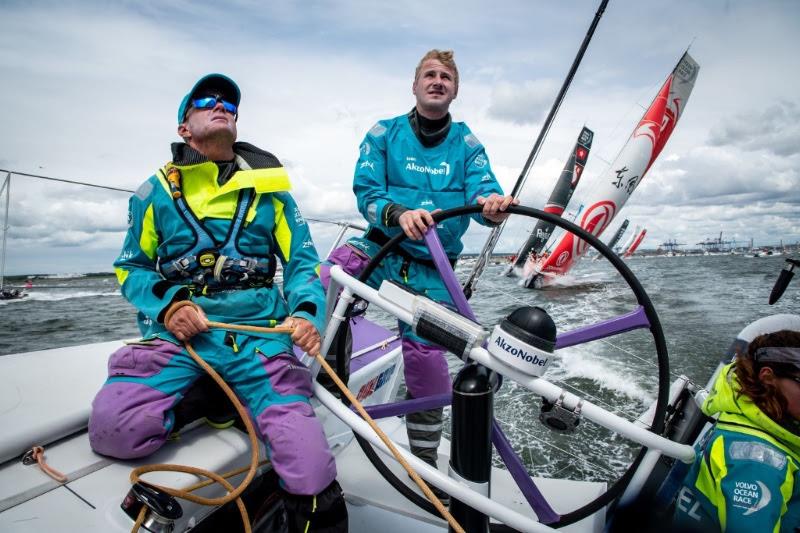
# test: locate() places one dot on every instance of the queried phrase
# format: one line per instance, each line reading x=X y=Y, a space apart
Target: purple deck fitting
x=634 y=320
x=365 y=334
x=535 y=498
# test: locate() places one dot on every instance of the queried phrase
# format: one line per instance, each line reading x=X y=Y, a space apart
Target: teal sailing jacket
x=273 y=227
x=394 y=167
x=745 y=477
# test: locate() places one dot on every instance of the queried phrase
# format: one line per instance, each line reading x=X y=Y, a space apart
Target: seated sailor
x=208 y=227
x=746 y=476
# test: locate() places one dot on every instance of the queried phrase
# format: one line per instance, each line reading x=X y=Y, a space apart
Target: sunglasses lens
x=209 y=102
x=229 y=107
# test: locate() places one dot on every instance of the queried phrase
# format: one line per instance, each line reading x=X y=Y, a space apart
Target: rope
x=37 y=454
x=389 y=444
x=234 y=494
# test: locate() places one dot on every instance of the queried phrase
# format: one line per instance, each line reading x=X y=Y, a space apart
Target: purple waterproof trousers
x=425 y=365
x=132 y=414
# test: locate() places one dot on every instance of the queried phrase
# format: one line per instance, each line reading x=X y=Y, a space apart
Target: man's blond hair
x=445 y=57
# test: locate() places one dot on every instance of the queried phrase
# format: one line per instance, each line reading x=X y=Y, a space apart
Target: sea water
x=702 y=302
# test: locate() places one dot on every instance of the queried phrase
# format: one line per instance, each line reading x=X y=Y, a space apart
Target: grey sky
x=90 y=92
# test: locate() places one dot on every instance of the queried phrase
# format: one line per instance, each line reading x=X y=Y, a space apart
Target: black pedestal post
x=471 y=444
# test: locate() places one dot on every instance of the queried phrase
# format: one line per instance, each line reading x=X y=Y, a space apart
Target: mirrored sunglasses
x=209 y=102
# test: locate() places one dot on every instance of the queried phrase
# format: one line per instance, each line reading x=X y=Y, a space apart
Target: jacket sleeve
x=135 y=267
x=370 y=181
x=478 y=176
x=302 y=288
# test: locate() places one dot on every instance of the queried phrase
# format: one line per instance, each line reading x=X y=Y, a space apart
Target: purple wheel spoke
x=532 y=494
x=404 y=407
x=446 y=271
x=634 y=320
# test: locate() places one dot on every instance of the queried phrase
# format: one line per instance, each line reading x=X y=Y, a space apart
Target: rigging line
x=494 y=236
x=531 y=435
x=25 y=174
x=647 y=362
x=354 y=225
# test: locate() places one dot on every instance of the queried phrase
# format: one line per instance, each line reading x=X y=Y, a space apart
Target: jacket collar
x=247 y=156
x=726 y=398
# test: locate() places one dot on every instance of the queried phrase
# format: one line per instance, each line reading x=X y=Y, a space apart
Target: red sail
x=636 y=243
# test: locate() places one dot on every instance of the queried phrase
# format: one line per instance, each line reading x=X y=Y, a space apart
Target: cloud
x=775 y=129
x=523 y=103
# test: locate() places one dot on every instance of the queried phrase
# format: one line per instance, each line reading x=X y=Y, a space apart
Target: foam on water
x=607 y=375
x=62 y=276
x=67 y=294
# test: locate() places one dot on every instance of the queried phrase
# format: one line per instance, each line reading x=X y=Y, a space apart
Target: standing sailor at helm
x=209 y=227
x=408 y=167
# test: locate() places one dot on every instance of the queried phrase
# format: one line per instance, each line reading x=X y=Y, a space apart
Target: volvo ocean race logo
x=442 y=170
x=519 y=353
x=751 y=496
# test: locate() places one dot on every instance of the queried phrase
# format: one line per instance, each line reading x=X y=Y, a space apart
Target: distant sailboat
x=531 y=250
x=6 y=294
x=626 y=172
x=618 y=235
x=629 y=242
x=615 y=239
x=632 y=248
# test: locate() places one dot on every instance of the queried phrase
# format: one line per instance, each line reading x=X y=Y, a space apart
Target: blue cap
x=207 y=85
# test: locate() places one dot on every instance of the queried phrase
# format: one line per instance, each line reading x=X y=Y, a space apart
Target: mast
x=494 y=236
x=7 y=189
x=559 y=198
x=625 y=174
x=618 y=235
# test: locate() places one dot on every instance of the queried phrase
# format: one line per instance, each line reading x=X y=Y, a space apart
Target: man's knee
x=299 y=448
x=425 y=368
x=128 y=420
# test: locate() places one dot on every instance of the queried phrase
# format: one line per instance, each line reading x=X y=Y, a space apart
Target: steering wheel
x=644 y=316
